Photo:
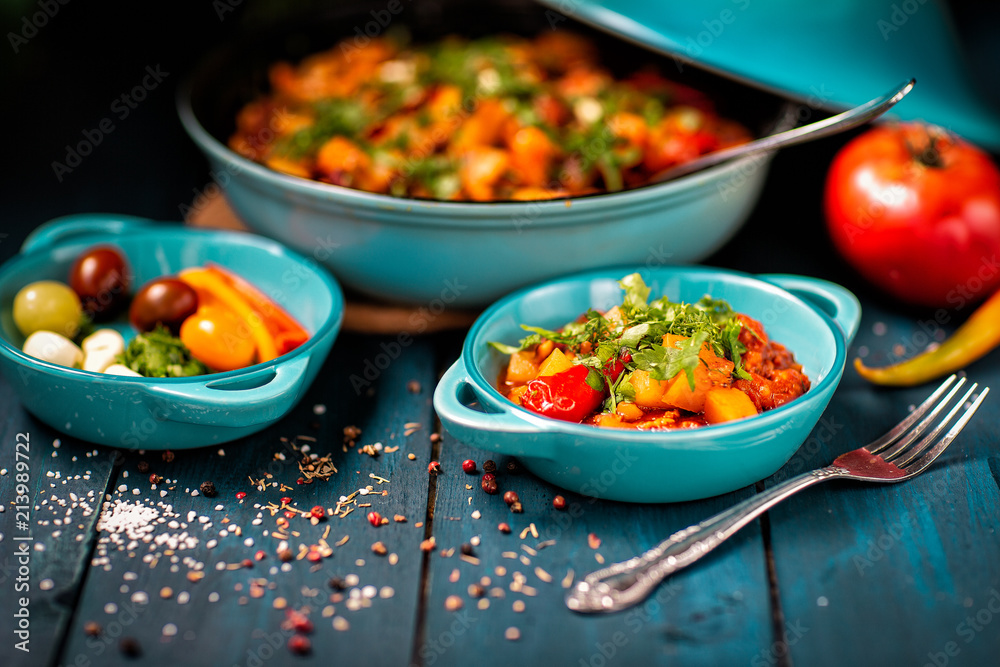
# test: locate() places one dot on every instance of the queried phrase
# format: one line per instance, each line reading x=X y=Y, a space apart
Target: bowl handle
x=70 y=226
x=837 y=302
x=499 y=432
x=248 y=399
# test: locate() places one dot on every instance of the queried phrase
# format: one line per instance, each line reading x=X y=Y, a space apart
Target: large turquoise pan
x=813 y=318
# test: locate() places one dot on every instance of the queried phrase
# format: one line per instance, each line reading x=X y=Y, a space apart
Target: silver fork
x=898 y=455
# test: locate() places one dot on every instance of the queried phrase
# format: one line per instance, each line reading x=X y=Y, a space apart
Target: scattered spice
x=513 y=467
x=207 y=489
x=489 y=466
x=593 y=541
x=516 y=508
x=130 y=647
x=476 y=591
x=466 y=549
x=351 y=433
x=413 y=387
x=411 y=456
x=142 y=466
x=318 y=468
x=453 y=603
x=504 y=527
x=318 y=512
x=399 y=518
x=559 y=502
x=379 y=549
x=434 y=468
x=513 y=634
x=299 y=645
x=510 y=497
x=428 y=544
x=469 y=466
x=155 y=479
x=375 y=519
x=168 y=456
x=489 y=484
x=166 y=592
x=337 y=584
x=92 y=629
x=240 y=495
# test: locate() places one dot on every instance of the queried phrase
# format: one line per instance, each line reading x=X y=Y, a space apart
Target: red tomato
x=917 y=212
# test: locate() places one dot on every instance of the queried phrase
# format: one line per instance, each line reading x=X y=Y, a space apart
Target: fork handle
x=624 y=584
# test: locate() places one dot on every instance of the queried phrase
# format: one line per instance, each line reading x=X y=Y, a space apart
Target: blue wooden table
x=842 y=574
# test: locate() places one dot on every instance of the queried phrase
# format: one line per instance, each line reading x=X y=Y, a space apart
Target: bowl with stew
x=167 y=412
x=461 y=235
x=814 y=319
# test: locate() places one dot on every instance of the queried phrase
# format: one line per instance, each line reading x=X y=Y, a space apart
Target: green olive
x=47 y=305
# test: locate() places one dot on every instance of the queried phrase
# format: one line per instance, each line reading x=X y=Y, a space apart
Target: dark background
x=63 y=81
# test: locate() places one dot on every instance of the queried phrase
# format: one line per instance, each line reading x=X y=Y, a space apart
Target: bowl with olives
x=132 y=333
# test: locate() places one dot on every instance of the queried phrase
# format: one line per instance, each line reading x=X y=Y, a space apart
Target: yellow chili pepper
x=210 y=282
x=974 y=339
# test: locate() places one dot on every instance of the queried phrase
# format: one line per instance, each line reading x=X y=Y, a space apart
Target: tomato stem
x=930 y=155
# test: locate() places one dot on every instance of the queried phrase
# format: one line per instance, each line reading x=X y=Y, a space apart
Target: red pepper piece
x=570 y=396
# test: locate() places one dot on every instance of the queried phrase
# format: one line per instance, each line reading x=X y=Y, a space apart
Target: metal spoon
x=824 y=128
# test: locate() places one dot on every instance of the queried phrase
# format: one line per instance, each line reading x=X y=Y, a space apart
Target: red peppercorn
x=300 y=481
x=247 y=563
x=240 y=495
x=504 y=527
x=559 y=503
x=489 y=475
x=314 y=556
x=260 y=555
x=375 y=519
x=299 y=645
x=510 y=497
x=434 y=467
x=286 y=500
x=318 y=512
x=469 y=466
x=300 y=622
x=489 y=484
x=155 y=479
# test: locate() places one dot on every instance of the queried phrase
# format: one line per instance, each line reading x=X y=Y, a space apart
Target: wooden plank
x=717 y=613
x=67 y=479
x=224 y=618
x=906 y=574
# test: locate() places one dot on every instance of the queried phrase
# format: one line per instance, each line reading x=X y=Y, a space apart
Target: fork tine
x=913 y=452
x=924 y=461
x=902 y=427
x=911 y=437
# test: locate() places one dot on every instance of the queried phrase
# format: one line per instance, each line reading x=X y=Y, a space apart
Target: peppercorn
x=516 y=508
x=299 y=645
x=142 y=467
x=476 y=591
x=260 y=555
x=375 y=519
x=168 y=456
x=130 y=647
x=504 y=527
x=413 y=387
x=299 y=622
x=559 y=503
x=318 y=512
x=513 y=467
x=489 y=465
x=466 y=550
x=207 y=489
x=489 y=484
x=155 y=479
x=336 y=583
x=92 y=629
x=247 y=563
x=434 y=468
x=240 y=495
x=379 y=549
x=469 y=466
x=314 y=556
x=285 y=555
x=510 y=497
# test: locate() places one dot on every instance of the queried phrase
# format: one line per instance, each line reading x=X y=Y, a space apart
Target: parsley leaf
x=663 y=363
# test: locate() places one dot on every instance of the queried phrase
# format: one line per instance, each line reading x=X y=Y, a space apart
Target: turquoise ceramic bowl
x=813 y=318
x=168 y=413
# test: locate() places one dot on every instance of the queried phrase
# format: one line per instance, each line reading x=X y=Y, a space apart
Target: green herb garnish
x=159 y=354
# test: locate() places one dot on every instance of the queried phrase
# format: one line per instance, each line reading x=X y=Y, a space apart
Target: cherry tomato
x=218 y=338
x=166 y=301
x=101 y=279
x=917 y=212
x=570 y=396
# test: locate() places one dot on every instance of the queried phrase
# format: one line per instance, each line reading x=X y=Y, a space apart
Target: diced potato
x=724 y=404
x=648 y=392
x=522 y=367
x=629 y=411
x=557 y=362
x=609 y=420
x=516 y=393
x=679 y=394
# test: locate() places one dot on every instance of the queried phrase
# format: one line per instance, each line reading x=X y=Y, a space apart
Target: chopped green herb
x=159 y=354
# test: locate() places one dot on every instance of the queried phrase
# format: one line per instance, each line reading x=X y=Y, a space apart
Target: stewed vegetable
x=652 y=365
x=498 y=118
